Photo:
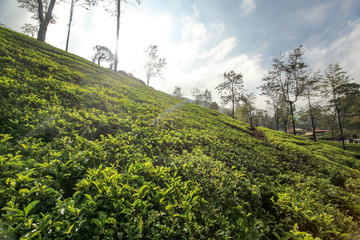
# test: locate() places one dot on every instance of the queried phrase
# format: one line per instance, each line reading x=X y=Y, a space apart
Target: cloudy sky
x=202 y=39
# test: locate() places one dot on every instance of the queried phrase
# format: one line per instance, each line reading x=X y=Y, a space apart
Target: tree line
x=332 y=98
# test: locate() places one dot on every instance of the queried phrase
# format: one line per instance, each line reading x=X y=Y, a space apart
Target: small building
x=297 y=130
x=356 y=140
x=317 y=131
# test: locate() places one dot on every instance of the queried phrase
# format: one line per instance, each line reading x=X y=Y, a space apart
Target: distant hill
x=87 y=153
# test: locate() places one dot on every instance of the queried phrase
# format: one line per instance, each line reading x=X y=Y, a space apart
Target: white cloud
x=221 y=51
x=314 y=16
x=192 y=30
x=345 y=50
x=248 y=6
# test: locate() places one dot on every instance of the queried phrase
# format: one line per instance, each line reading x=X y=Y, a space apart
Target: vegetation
x=231 y=90
x=102 y=53
x=287 y=79
x=87 y=153
x=114 y=8
x=42 y=11
x=154 y=65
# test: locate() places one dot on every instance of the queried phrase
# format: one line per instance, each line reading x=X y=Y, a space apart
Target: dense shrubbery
x=85 y=155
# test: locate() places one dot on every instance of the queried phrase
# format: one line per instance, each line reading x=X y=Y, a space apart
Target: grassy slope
x=82 y=157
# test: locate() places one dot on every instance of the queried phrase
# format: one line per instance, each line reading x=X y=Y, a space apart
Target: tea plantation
x=87 y=153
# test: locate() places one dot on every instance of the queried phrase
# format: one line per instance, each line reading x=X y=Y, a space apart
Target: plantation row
x=87 y=153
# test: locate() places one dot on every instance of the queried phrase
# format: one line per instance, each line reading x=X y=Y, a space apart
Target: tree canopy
x=154 y=65
x=231 y=90
x=103 y=53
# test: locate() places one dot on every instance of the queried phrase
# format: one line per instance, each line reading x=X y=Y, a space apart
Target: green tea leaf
x=30 y=207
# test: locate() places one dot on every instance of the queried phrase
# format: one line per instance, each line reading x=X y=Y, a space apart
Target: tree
x=281 y=111
x=311 y=89
x=311 y=119
x=102 y=53
x=334 y=78
x=328 y=121
x=249 y=107
x=30 y=29
x=177 y=92
x=196 y=93
x=43 y=13
x=214 y=106
x=288 y=78
x=153 y=65
x=231 y=90
x=349 y=103
x=206 y=97
x=114 y=8
x=86 y=4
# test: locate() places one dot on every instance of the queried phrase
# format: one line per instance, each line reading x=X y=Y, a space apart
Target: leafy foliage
x=82 y=157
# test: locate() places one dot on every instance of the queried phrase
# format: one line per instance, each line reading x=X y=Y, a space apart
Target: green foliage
x=86 y=153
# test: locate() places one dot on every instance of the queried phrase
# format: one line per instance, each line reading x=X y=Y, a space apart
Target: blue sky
x=202 y=39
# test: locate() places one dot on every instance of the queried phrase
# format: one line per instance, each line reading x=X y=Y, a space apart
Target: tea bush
x=87 y=153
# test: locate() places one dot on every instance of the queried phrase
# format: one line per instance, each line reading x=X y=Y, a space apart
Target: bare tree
x=103 y=53
x=231 y=90
x=153 y=65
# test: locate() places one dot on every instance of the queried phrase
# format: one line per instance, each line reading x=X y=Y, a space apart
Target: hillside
x=87 y=153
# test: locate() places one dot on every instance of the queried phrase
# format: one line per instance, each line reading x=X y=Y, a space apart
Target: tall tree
x=288 y=78
x=69 y=26
x=153 y=65
x=102 y=53
x=114 y=8
x=311 y=89
x=84 y=3
x=334 y=78
x=43 y=13
x=207 y=98
x=231 y=90
x=249 y=107
x=349 y=103
x=196 y=93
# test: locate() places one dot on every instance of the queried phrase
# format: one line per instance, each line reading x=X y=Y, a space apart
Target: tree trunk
x=117 y=35
x=340 y=125
x=147 y=80
x=312 y=120
x=44 y=20
x=70 y=20
x=233 y=109
x=42 y=32
x=285 y=125
x=292 y=117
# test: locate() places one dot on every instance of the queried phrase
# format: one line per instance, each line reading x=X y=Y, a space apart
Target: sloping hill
x=87 y=153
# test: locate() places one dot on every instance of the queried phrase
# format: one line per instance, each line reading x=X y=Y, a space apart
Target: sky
x=202 y=39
